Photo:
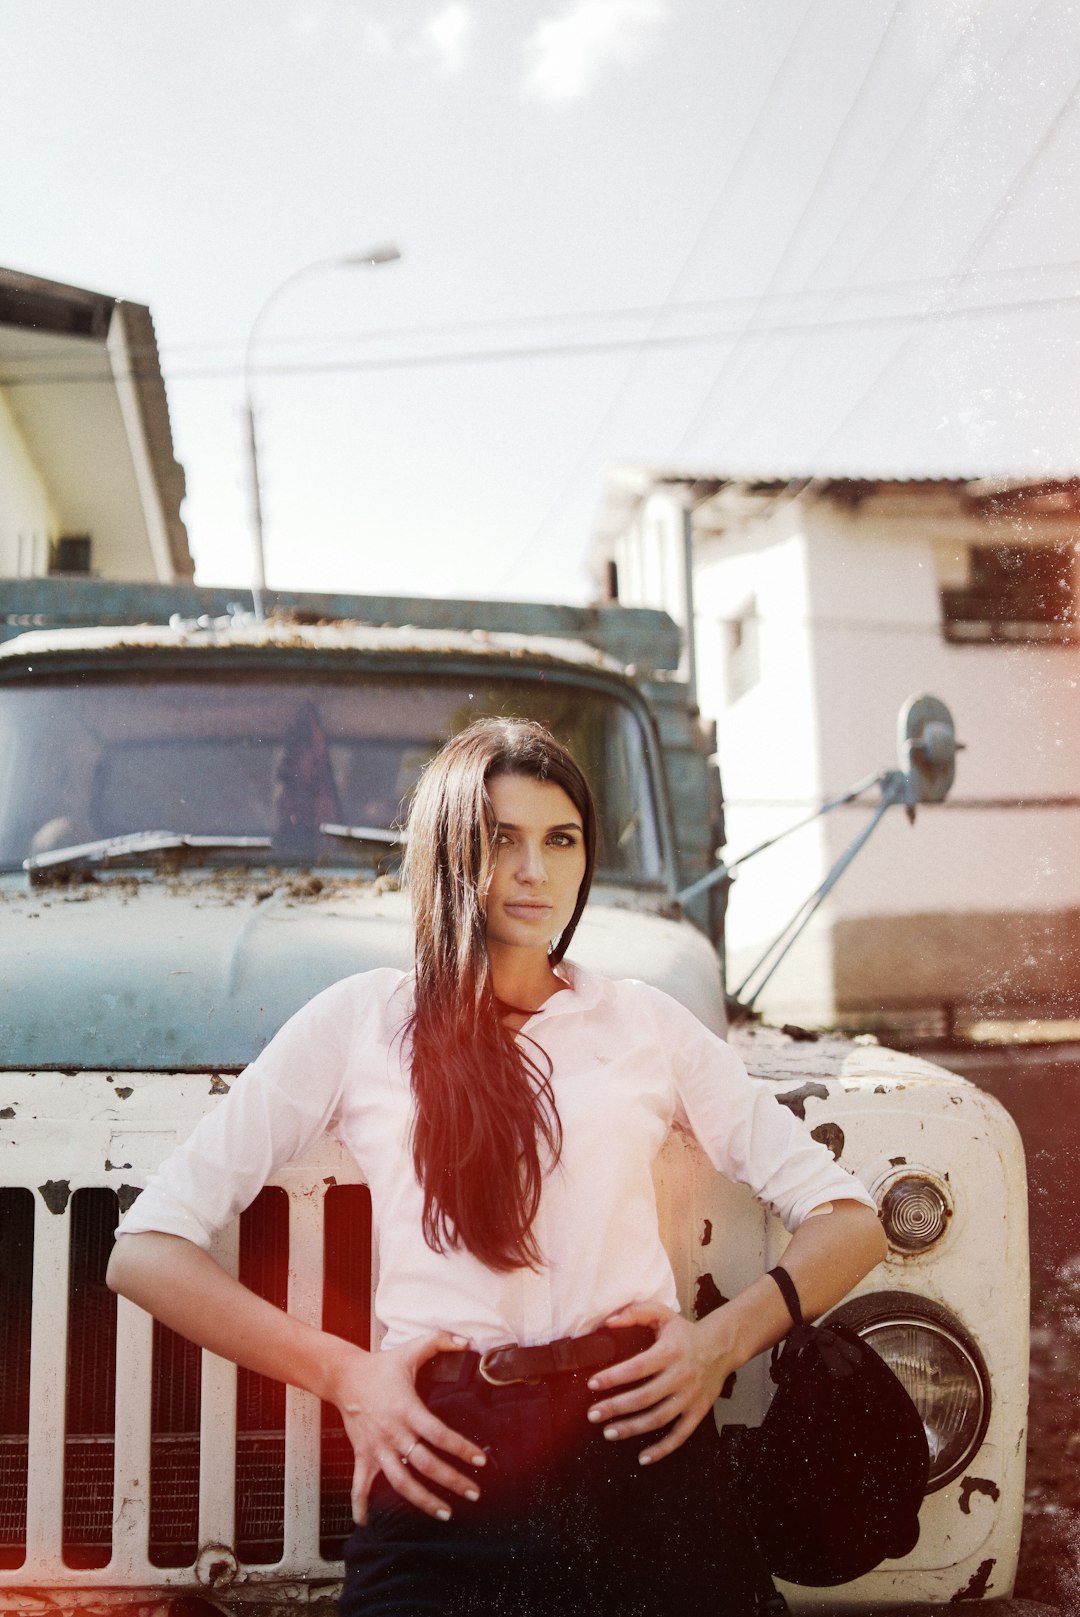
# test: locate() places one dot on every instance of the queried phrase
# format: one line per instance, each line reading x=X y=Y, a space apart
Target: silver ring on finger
x=408 y=1451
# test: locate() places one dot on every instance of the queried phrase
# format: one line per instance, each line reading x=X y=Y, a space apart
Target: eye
x=562 y=839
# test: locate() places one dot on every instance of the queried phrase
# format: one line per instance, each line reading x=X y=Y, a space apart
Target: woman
x=505 y=1108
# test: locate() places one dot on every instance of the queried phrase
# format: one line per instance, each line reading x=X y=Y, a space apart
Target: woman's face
x=539 y=862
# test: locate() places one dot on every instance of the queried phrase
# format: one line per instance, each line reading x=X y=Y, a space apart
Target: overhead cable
x=805 y=213
x=10 y=377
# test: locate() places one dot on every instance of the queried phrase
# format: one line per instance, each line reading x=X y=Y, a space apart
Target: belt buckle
x=484 y=1369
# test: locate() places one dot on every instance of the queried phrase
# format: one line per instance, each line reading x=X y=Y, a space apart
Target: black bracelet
x=788 y=1292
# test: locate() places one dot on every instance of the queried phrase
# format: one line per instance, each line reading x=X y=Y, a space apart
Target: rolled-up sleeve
x=274 y=1110
x=746 y=1132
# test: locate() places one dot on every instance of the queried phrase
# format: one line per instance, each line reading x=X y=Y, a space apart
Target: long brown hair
x=485 y=1112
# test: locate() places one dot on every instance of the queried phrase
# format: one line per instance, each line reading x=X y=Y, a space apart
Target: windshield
x=242 y=753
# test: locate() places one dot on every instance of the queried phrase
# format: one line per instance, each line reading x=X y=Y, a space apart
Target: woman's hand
x=680 y=1375
x=376 y=1392
x=683 y=1372
x=392 y=1431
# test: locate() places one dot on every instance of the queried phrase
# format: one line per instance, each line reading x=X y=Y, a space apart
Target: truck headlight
x=940 y=1366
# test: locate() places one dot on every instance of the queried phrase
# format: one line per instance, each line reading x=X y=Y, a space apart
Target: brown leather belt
x=507 y=1366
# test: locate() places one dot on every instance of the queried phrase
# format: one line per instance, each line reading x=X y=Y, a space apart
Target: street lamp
x=385 y=254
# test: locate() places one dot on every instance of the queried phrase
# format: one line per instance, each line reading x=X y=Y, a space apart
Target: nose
x=531 y=867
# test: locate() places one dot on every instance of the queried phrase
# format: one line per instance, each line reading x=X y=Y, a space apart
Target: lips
x=527 y=910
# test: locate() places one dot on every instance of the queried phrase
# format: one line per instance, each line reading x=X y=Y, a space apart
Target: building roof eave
x=82 y=332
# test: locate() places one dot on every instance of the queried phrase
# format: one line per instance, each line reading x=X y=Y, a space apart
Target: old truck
x=197 y=833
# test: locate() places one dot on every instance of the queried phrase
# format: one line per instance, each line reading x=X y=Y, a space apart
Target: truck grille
x=16 y=1271
x=125 y=1385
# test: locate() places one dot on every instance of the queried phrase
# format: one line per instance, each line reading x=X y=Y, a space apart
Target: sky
x=728 y=236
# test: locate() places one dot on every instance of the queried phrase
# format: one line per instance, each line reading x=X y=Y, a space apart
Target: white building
x=816 y=607
x=89 y=485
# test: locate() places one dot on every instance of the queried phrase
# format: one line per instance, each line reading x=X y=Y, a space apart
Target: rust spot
x=8 y=1112
x=796 y=1099
x=972 y=1485
x=897 y=1162
x=801 y=1035
x=976 y=1585
x=218 y=1086
x=706 y=1232
x=124 y=1091
x=111 y=1167
x=56 y=1193
x=331 y=1179
x=879 y=1089
x=126 y=1195
x=707 y=1296
x=831 y=1135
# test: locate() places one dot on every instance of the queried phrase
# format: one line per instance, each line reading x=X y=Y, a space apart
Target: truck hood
x=201 y=971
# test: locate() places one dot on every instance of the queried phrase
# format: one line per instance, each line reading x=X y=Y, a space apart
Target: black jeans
x=568 y=1523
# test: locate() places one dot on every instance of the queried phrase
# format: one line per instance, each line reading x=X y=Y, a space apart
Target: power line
x=643 y=311
x=650 y=311
x=748 y=413
x=798 y=227
x=989 y=226
x=1012 y=191
x=623 y=385
x=466 y=356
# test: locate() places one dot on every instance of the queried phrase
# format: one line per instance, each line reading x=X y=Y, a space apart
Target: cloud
x=317 y=20
x=566 y=53
x=447 y=31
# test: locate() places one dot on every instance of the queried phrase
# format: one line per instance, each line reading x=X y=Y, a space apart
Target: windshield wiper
x=58 y=862
x=366 y=833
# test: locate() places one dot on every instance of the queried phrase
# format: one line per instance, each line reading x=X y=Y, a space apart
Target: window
x=71 y=554
x=743 y=652
x=1017 y=593
x=265 y=752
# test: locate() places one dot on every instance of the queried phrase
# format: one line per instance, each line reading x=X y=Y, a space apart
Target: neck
x=521 y=978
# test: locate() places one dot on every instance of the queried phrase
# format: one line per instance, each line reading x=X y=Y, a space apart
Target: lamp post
x=385 y=254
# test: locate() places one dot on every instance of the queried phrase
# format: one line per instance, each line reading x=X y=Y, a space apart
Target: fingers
x=401 y=1478
x=418 y=1352
x=658 y=1414
x=414 y=1450
x=686 y=1423
x=430 y=1429
x=665 y=1383
x=649 y=1362
x=363 y=1477
x=679 y=1420
x=425 y=1466
x=672 y=1390
x=413 y=1469
x=655 y=1314
x=643 y=1364
x=411 y=1480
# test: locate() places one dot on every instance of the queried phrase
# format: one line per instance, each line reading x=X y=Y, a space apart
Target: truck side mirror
x=927 y=747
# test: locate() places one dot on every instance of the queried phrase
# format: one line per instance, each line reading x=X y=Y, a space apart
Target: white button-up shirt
x=628 y=1063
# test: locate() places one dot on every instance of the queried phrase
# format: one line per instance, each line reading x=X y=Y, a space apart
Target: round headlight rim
x=888 y=1181
x=883 y=1308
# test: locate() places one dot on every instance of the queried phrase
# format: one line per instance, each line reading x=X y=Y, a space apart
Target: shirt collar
x=586 y=988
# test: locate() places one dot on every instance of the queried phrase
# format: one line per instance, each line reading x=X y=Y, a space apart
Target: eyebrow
x=564 y=825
